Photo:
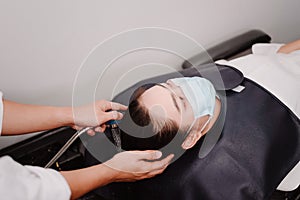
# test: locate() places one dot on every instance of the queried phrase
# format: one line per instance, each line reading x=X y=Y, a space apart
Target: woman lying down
x=246 y=157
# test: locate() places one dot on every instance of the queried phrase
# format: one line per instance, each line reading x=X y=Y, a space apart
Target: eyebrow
x=175 y=102
x=172 y=96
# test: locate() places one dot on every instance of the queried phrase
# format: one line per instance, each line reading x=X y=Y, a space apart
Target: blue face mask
x=200 y=93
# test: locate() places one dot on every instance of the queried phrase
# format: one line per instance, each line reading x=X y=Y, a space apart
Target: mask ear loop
x=203 y=127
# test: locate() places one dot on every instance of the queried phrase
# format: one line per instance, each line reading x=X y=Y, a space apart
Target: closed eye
x=183 y=100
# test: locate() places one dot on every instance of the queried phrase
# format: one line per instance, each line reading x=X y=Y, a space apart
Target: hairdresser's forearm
x=84 y=180
x=124 y=166
x=23 y=118
x=290 y=47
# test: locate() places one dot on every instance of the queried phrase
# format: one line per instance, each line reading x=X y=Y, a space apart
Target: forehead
x=159 y=99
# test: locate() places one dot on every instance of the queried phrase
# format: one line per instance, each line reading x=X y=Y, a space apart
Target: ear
x=191 y=139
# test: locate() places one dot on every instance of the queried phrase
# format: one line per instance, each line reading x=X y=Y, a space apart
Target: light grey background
x=43 y=43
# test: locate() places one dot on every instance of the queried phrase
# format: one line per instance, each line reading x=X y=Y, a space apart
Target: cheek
x=187 y=117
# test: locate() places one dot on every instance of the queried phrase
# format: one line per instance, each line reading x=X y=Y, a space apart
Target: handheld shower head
x=116 y=133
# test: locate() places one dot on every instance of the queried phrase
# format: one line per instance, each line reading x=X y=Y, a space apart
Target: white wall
x=43 y=43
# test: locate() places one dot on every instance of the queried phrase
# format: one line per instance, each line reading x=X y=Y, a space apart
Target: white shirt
x=277 y=72
x=29 y=182
x=280 y=74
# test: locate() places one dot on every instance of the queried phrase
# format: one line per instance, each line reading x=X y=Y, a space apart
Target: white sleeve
x=1 y=112
x=29 y=182
x=266 y=48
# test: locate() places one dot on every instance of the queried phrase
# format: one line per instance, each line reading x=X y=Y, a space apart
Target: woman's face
x=168 y=101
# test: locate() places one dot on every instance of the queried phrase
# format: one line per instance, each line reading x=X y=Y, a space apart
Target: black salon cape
x=259 y=145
